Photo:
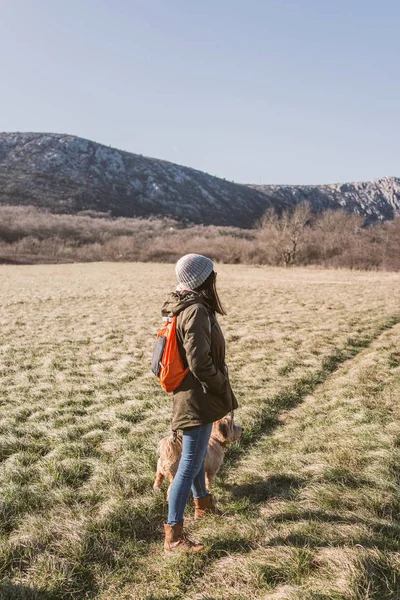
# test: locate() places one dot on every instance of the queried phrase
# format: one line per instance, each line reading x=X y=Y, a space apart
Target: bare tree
x=336 y=231
x=286 y=232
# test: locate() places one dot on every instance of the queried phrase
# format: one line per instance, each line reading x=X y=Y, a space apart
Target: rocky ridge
x=376 y=200
x=68 y=174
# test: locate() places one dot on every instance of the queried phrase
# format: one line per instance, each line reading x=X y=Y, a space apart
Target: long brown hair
x=208 y=289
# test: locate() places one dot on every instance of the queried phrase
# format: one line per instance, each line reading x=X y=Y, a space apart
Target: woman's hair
x=208 y=289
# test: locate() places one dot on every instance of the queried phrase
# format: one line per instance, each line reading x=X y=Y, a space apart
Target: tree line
x=297 y=236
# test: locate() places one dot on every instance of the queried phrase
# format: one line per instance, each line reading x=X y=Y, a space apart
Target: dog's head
x=226 y=430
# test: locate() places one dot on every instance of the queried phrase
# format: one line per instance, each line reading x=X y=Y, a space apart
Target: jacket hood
x=177 y=301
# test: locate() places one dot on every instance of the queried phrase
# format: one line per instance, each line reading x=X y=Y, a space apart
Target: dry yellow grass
x=310 y=491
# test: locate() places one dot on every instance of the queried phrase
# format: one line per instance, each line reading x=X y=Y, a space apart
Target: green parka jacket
x=205 y=395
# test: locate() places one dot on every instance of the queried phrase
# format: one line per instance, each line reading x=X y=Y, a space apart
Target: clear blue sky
x=271 y=91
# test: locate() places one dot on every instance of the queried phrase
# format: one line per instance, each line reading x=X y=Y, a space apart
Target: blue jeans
x=190 y=473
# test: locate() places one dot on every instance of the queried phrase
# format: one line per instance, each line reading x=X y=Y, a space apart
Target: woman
x=205 y=394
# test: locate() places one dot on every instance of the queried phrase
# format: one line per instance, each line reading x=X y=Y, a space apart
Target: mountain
x=68 y=174
x=376 y=200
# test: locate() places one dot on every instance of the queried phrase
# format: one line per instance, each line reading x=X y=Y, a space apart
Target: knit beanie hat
x=192 y=270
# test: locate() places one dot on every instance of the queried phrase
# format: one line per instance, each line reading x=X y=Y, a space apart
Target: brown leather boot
x=205 y=506
x=177 y=541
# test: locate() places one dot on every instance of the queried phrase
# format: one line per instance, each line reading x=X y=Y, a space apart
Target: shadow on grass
x=304 y=540
x=17 y=591
x=220 y=548
x=276 y=486
x=126 y=529
x=318 y=516
x=384 y=537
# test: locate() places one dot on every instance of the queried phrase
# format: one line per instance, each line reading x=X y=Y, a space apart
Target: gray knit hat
x=192 y=270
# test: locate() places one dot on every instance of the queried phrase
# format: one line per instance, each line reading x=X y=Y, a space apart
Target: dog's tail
x=170 y=446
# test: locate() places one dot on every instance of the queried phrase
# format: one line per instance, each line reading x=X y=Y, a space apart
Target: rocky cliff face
x=64 y=173
x=376 y=200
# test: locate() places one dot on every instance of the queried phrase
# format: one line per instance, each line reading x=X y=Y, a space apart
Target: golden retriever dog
x=224 y=432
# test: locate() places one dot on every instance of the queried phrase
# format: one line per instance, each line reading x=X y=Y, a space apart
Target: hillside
x=376 y=200
x=68 y=174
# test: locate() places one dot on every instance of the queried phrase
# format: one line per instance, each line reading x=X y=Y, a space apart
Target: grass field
x=311 y=492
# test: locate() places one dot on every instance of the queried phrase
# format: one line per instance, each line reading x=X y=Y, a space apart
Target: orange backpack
x=166 y=362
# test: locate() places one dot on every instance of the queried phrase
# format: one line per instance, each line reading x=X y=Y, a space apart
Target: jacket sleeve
x=197 y=344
